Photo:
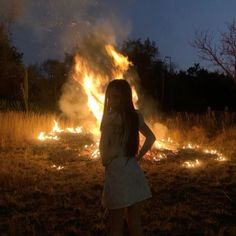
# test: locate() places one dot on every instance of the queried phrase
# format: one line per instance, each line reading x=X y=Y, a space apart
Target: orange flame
x=52 y=135
x=121 y=63
x=93 y=83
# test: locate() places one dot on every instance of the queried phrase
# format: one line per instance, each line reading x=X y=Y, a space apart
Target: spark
x=57 y=167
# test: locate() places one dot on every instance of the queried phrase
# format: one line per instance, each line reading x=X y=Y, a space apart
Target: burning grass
x=54 y=187
x=20 y=127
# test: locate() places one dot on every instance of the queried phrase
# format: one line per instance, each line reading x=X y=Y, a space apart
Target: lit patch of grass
x=19 y=127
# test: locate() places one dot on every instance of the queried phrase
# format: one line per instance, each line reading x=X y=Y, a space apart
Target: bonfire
x=93 y=84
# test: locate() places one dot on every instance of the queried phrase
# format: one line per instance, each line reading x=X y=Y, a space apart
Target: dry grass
x=17 y=127
x=20 y=127
x=212 y=122
x=39 y=199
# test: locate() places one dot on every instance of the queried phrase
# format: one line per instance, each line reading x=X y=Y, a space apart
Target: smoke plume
x=55 y=27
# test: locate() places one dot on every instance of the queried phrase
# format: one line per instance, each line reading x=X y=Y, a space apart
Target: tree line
x=38 y=86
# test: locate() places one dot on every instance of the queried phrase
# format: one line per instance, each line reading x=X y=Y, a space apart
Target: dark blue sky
x=170 y=23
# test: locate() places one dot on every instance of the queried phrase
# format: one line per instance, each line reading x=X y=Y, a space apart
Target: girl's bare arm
x=108 y=145
x=149 y=140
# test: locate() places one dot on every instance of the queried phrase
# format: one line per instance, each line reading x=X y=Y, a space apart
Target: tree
x=145 y=58
x=196 y=71
x=221 y=54
x=141 y=52
x=11 y=68
x=57 y=73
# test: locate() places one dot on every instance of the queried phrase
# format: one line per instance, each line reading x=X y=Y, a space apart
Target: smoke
x=88 y=40
x=12 y=10
x=55 y=27
x=91 y=52
x=73 y=102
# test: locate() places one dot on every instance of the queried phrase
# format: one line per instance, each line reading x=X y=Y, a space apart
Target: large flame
x=121 y=63
x=93 y=82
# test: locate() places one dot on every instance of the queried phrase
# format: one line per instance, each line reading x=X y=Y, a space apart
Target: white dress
x=125 y=183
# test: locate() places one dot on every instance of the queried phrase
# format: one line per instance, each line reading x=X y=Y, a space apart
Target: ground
x=55 y=188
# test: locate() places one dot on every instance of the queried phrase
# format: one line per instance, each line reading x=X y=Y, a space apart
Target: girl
x=125 y=184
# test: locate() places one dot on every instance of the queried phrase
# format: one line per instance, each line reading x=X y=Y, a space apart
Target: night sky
x=48 y=29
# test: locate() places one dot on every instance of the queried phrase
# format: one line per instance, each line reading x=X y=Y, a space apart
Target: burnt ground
x=54 y=188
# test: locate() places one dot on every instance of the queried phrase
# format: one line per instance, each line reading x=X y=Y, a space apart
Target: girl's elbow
x=152 y=139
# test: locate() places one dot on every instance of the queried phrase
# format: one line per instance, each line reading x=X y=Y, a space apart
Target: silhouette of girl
x=125 y=185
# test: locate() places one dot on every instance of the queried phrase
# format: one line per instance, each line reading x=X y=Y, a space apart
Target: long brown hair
x=127 y=112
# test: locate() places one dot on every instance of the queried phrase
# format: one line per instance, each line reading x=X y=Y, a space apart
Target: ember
x=191 y=164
